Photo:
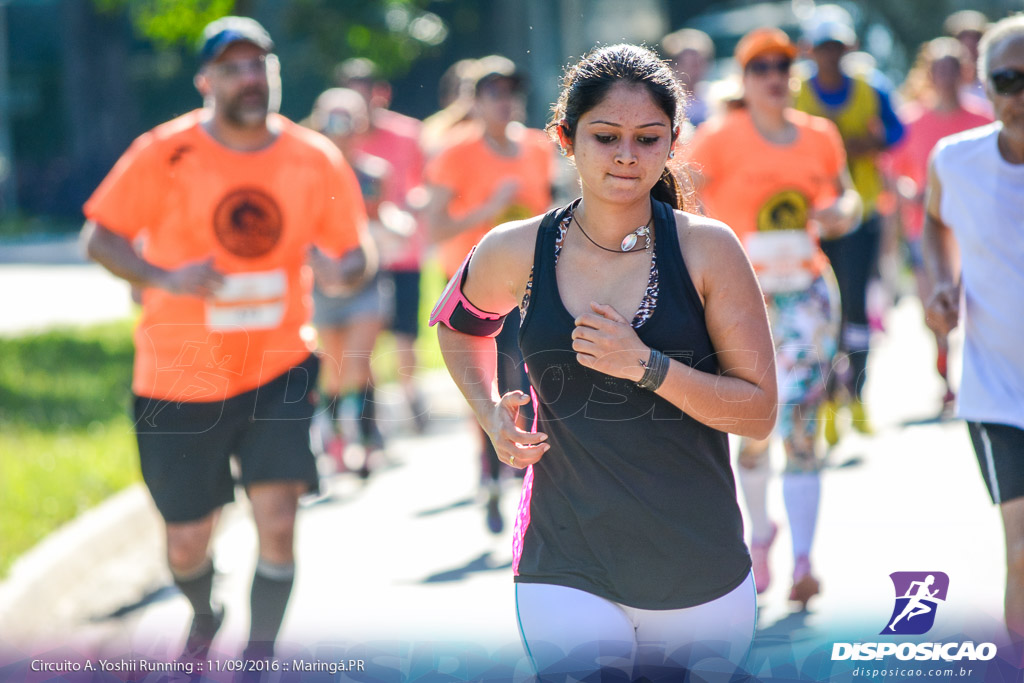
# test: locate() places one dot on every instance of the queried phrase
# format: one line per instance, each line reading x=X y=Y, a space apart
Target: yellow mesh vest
x=855 y=117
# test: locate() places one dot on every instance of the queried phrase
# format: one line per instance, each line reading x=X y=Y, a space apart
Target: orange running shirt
x=256 y=214
x=472 y=172
x=755 y=186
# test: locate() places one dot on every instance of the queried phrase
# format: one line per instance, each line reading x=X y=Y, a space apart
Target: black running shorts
x=405 y=318
x=1000 y=451
x=185 y=448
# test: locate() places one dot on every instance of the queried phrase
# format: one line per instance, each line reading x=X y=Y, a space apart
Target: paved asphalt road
x=401 y=572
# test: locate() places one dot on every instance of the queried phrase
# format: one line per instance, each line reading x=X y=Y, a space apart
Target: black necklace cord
x=643 y=230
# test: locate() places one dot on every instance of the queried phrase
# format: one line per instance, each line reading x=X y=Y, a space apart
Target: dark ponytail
x=667 y=189
x=676 y=187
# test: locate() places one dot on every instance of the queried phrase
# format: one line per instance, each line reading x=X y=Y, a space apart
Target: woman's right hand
x=514 y=446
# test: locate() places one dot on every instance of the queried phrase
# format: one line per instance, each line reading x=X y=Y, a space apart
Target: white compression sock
x=754 y=482
x=802 y=492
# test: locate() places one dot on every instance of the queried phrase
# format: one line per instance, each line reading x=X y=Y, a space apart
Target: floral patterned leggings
x=805 y=326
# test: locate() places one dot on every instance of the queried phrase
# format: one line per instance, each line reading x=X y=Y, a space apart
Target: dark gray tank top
x=635 y=501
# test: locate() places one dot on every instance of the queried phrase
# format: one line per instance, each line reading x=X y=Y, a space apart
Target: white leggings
x=569 y=634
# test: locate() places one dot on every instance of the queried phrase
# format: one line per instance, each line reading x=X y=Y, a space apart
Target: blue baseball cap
x=221 y=33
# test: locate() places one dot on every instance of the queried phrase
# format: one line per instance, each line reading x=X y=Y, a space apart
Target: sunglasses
x=231 y=70
x=762 y=67
x=1007 y=81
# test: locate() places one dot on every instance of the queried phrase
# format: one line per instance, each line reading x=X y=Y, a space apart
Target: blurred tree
x=917 y=21
x=170 y=22
x=393 y=33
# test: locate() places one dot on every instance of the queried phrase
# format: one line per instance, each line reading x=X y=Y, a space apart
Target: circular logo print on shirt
x=247 y=222
x=786 y=210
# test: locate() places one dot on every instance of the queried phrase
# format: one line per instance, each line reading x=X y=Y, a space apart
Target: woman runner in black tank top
x=629 y=529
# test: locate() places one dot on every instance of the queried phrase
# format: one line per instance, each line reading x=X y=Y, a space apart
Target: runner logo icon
x=918 y=595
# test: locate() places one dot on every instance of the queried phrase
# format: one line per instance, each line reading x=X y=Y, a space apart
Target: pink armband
x=459 y=314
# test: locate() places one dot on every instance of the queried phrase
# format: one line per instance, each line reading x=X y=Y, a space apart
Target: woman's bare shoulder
x=502 y=263
x=513 y=241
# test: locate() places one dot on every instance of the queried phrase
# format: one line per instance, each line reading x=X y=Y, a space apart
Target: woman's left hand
x=605 y=341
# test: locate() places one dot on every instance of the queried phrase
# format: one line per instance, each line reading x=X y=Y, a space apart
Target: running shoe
x=805 y=586
x=876 y=321
x=828 y=414
x=373 y=449
x=364 y=468
x=200 y=635
x=759 y=560
x=859 y=414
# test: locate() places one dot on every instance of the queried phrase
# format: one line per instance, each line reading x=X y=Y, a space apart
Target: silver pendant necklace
x=628 y=242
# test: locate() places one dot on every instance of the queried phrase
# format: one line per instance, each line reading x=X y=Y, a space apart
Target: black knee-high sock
x=368 y=416
x=197 y=586
x=859 y=372
x=271 y=587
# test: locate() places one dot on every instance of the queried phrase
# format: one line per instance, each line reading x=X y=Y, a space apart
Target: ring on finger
x=512 y=460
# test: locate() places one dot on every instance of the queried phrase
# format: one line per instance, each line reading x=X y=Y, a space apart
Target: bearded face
x=241 y=82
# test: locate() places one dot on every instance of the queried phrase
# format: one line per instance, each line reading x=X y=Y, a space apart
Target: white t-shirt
x=983 y=203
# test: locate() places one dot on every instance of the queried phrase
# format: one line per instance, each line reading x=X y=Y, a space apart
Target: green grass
x=428 y=352
x=19 y=227
x=66 y=441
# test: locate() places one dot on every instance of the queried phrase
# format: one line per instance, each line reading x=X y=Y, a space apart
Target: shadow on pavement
x=465 y=502
x=791 y=628
x=851 y=461
x=159 y=595
x=483 y=563
x=940 y=418
x=315 y=499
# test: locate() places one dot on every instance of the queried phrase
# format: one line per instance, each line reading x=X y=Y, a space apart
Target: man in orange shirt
x=215 y=216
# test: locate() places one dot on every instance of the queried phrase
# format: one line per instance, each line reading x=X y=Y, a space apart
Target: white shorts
x=569 y=634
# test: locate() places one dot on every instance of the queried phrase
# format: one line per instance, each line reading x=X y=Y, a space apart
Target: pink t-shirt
x=909 y=159
x=395 y=138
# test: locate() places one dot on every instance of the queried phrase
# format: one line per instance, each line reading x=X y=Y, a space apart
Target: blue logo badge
x=918 y=595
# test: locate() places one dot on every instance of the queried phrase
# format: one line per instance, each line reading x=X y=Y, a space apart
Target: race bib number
x=250 y=301
x=782 y=259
